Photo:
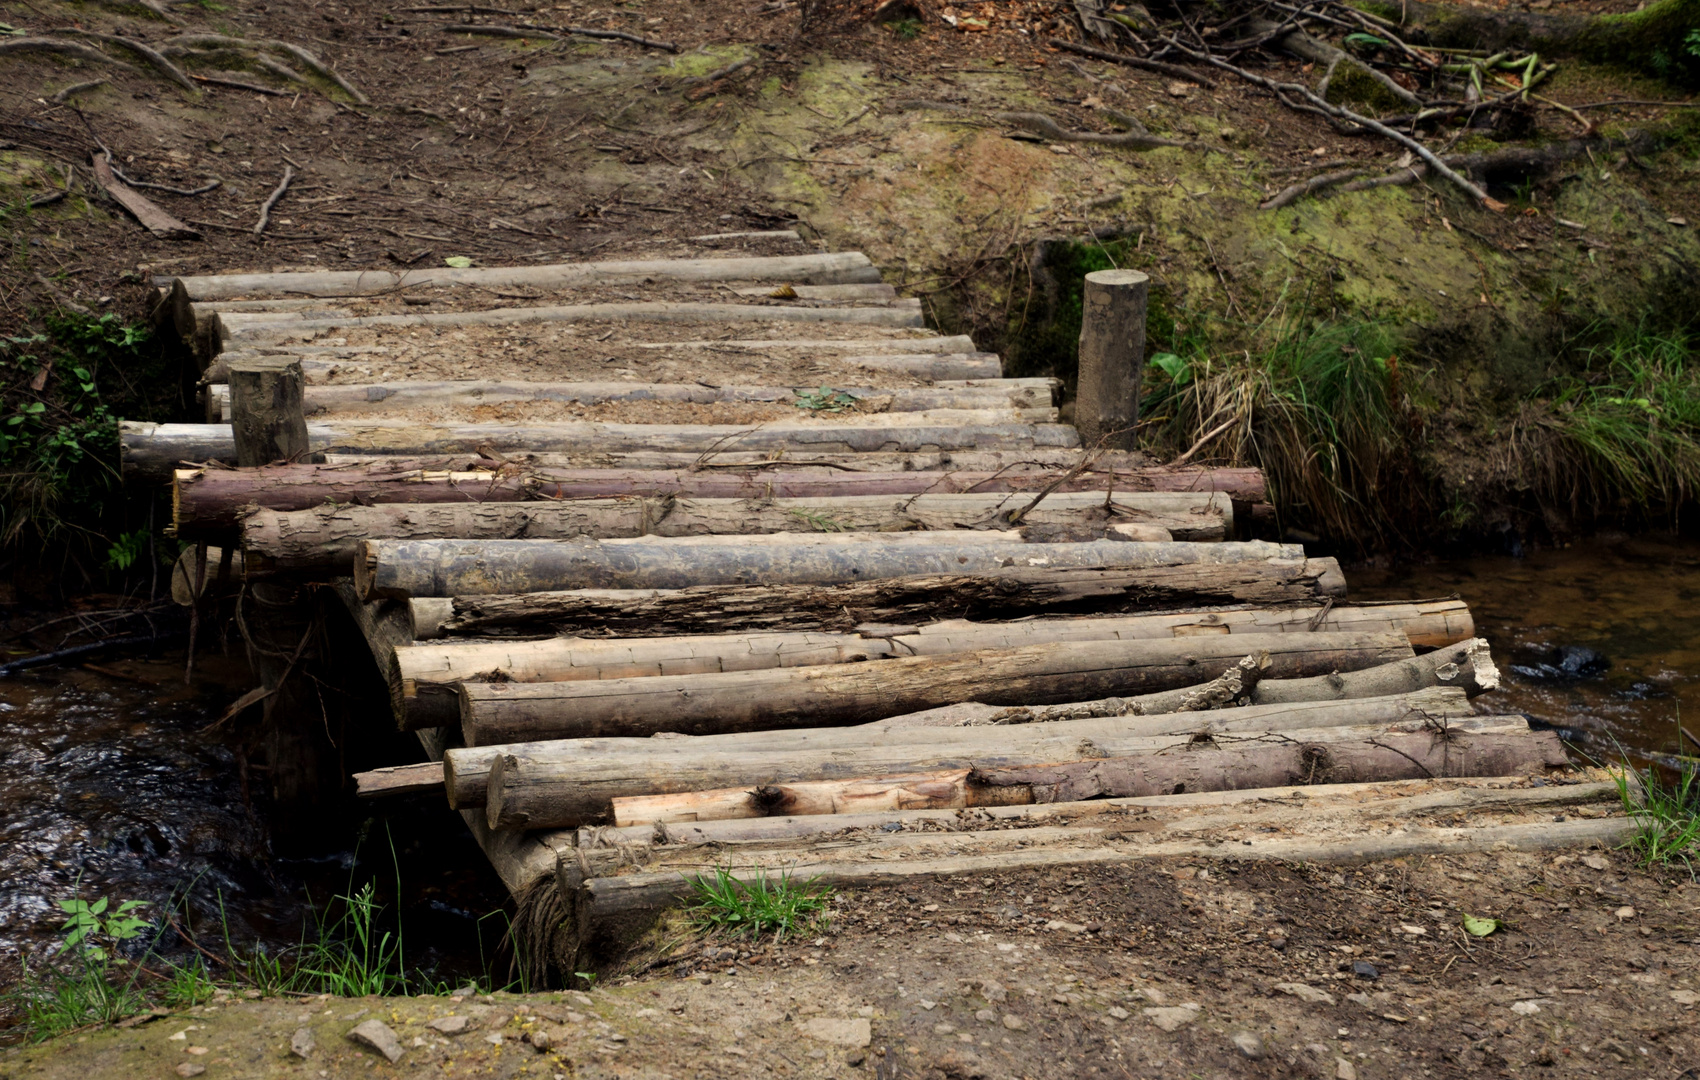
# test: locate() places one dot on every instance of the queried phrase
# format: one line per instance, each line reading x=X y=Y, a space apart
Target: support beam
x=1112 y=358
x=268 y=421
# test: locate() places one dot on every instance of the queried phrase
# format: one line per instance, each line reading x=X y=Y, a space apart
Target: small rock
x=494 y=1038
x=985 y=1016
x=1248 y=1044
x=1525 y=1008
x=190 y=1068
x=1014 y=1023
x=1118 y=1012
x=927 y=1005
x=1278 y=943
x=1359 y=999
x=540 y=1041
x=855 y=1033
x=301 y=1043
x=1594 y=862
x=1412 y=929
x=1179 y=89
x=855 y=1058
x=1305 y=993
x=1073 y=928
x=993 y=992
x=1363 y=969
x=1625 y=912
x=1685 y=997
x=377 y=1035
x=1344 y=1070
x=448 y=1025
x=1170 y=1019
x=944 y=1029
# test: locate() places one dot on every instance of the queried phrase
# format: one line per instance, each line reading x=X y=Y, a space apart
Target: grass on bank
x=1665 y=815
x=735 y=907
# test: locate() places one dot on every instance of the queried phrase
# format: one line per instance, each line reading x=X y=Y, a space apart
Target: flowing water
x=119 y=788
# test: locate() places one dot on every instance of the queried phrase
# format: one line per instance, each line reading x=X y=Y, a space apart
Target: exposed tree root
x=1174 y=71
x=249 y=50
x=1302 y=45
x=146 y=52
x=76 y=88
x=1046 y=127
x=64 y=48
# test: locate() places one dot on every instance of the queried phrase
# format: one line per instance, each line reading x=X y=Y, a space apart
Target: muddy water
x=1634 y=601
x=119 y=788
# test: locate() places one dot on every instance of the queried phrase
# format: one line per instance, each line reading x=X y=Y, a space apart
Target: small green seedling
x=736 y=908
x=826 y=399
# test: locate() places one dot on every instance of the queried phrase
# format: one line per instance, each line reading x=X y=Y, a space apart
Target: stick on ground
x=266 y=210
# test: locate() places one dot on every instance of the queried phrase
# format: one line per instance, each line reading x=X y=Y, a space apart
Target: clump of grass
x=728 y=905
x=1666 y=816
x=84 y=981
x=352 y=956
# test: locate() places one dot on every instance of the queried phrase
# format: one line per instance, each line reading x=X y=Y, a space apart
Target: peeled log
x=526 y=791
x=424 y=677
x=1008 y=592
x=328 y=536
x=209 y=500
x=857 y=693
x=688 y=763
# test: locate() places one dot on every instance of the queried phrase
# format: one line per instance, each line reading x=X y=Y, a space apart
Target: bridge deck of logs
x=730 y=562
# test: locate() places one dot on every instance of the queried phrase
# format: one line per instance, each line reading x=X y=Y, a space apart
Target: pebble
x=377 y=1035
x=1685 y=997
x=1248 y=1044
x=1344 y=1070
x=1594 y=862
x=1119 y=1013
x=448 y=1025
x=1014 y=1023
x=191 y=1068
x=1363 y=969
x=1170 y=1019
x=1305 y=993
x=1278 y=943
x=855 y=1033
x=301 y=1043
x=944 y=1029
x=985 y=1016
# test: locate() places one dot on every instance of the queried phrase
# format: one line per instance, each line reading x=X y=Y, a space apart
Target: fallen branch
x=76 y=88
x=1294 y=192
x=77 y=652
x=266 y=209
x=148 y=213
x=167 y=188
x=59 y=297
x=554 y=33
x=1174 y=71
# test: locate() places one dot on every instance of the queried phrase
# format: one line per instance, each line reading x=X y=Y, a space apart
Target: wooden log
x=963 y=788
x=268 y=425
x=399 y=780
x=404 y=568
x=1112 y=357
x=1020 y=396
x=692 y=763
x=153 y=450
x=822 y=695
x=533 y=792
x=905 y=343
x=1008 y=592
x=840 y=268
x=937 y=366
x=144 y=210
x=327 y=537
x=194 y=322
x=424 y=678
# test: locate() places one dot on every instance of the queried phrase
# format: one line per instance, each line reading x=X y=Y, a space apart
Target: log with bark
x=552 y=790
x=424 y=678
x=328 y=537
x=691 y=763
x=155 y=450
x=837 y=694
x=458 y=568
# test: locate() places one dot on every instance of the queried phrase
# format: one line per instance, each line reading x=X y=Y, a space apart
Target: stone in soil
x=448 y=1025
x=1172 y=1019
x=301 y=1043
x=854 y=1032
x=377 y=1035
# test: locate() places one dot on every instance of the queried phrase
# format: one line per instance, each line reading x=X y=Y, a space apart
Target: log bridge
x=679 y=563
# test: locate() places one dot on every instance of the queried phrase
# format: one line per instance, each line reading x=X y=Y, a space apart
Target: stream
x=118 y=787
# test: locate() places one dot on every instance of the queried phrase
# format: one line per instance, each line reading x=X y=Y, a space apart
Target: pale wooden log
x=689 y=763
x=1112 y=357
x=404 y=568
x=935 y=365
x=534 y=792
x=925 y=366
x=715 y=703
x=399 y=780
x=268 y=422
x=869 y=293
x=908 y=344
x=1004 y=593
x=823 y=269
x=237 y=328
x=155 y=449
x=327 y=537
x=937 y=790
x=194 y=321
x=427 y=614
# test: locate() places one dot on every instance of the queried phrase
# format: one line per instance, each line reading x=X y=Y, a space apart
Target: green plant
x=1665 y=815
x=825 y=399
x=907 y=29
x=728 y=905
x=90 y=930
x=817 y=520
x=352 y=957
x=187 y=985
x=83 y=982
x=127 y=550
x=1692 y=42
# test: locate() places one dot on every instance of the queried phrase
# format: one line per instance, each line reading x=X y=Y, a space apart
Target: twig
x=168 y=189
x=60 y=298
x=1085 y=463
x=1203 y=439
x=266 y=210
x=77 y=88
x=1305 y=187
x=1632 y=101
x=1174 y=71
x=77 y=652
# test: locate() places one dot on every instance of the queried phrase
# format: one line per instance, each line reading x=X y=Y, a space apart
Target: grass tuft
x=1666 y=816
x=728 y=905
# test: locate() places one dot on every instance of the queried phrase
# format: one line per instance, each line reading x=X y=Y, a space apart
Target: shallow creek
x=120 y=789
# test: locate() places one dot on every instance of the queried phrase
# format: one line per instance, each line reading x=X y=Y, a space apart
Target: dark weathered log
x=822 y=695
x=527 y=791
x=406 y=568
x=1007 y=592
x=268 y=424
x=328 y=536
x=691 y=763
x=424 y=677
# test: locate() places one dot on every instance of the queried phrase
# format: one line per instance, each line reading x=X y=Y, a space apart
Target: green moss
x=1353 y=86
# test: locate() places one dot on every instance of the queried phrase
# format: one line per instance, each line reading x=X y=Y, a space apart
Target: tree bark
x=406 y=568
x=268 y=422
x=424 y=678
x=944 y=789
x=839 y=694
x=1112 y=358
x=839 y=268
x=691 y=763
x=534 y=792
x=327 y=537
x=1010 y=592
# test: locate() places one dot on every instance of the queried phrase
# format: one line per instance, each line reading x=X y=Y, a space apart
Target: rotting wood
x=458 y=568
x=1003 y=593
x=399 y=780
x=272 y=200
x=688 y=763
x=526 y=791
x=839 y=268
x=327 y=537
x=840 y=694
x=145 y=211
x=268 y=422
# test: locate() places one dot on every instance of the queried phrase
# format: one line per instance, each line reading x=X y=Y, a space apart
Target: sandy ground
x=1196 y=968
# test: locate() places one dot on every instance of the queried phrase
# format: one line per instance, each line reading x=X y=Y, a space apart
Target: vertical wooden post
x=1112 y=357
x=266 y=411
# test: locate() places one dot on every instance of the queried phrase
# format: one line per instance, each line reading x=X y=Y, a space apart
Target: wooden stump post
x=268 y=418
x=1112 y=357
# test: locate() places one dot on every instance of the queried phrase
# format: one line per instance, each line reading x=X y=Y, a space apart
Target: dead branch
x=167 y=188
x=76 y=88
x=246 y=48
x=1302 y=45
x=1294 y=192
x=148 y=213
x=1174 y=71
x=147 y=52
x=1040 y=124
x=58 y=297
x=266 y=209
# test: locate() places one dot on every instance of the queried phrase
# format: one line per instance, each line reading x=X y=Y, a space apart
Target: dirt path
x=1196 y=968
